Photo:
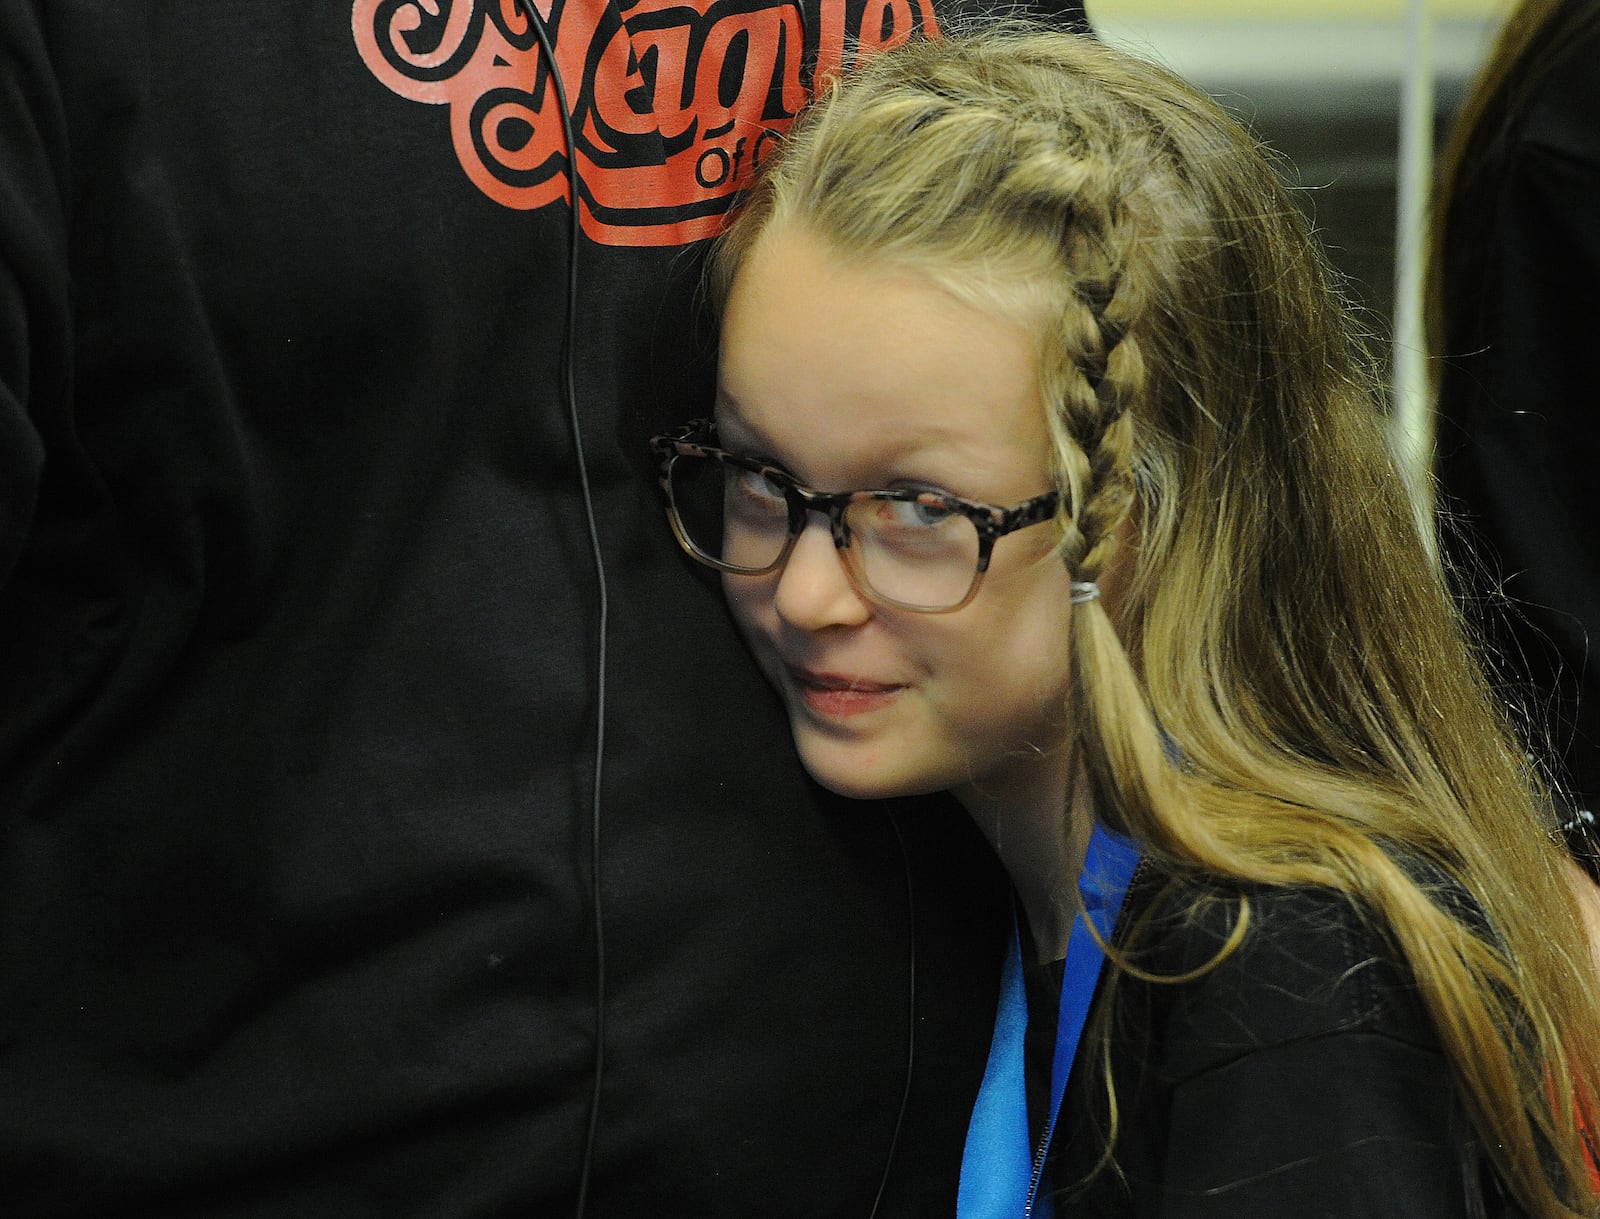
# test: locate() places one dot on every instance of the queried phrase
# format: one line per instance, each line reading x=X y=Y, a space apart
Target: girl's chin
x=860 y=779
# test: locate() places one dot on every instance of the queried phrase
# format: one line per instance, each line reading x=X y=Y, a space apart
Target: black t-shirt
x=300 y=641
x=1041 y=984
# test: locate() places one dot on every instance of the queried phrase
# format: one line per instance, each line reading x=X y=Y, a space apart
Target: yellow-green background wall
x=1257 y=10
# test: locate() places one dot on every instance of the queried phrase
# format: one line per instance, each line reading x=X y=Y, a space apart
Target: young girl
x=1134 y=578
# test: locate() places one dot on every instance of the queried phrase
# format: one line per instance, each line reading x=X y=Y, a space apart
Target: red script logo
x=673 y=105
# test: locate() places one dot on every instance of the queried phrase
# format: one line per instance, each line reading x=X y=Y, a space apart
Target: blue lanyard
x=999 y=1170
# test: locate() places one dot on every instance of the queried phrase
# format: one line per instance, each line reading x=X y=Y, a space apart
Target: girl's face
x=853 y=376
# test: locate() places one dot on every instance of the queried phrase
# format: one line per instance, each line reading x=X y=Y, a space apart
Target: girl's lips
x=836 y=696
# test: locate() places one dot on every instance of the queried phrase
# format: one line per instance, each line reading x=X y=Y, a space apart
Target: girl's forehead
x=842 y=369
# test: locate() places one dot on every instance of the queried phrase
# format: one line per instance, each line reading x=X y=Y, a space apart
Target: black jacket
x=1518 y=436
x=1299 y=1079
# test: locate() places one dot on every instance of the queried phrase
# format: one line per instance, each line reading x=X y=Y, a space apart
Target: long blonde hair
x=1283 y=624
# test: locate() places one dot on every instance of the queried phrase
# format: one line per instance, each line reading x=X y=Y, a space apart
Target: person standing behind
x=320 y=422
x=1512 y=314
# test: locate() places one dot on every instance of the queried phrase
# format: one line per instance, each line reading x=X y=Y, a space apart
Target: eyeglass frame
x=991 y=521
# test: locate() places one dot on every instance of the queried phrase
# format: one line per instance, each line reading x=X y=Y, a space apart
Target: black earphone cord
x=569 y=390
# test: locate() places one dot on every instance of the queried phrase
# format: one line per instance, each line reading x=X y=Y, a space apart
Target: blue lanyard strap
x=999 y=1169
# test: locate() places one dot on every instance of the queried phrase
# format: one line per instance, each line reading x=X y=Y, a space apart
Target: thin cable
x=574 y=238
x=569 y=387
x=911 y=1013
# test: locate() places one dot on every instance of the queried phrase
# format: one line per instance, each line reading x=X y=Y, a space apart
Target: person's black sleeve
x=1518 y=441
x=33 y=276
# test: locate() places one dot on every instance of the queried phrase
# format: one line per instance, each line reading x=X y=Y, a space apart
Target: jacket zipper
x=1038 y=1168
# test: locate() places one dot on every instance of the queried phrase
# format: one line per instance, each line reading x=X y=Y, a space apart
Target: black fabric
x=1042 y=985
x=298 y=643
x=1299 y=1078
x=1518 y=442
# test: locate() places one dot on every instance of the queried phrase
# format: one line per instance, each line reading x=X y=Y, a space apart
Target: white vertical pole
x=1412 y=421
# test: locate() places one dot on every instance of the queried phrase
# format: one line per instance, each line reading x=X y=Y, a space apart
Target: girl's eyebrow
x=729 y=418
x=736 y=435
x=722 y=399
x=754 y=451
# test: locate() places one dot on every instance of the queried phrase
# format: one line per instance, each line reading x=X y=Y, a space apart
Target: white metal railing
x=1411 y=421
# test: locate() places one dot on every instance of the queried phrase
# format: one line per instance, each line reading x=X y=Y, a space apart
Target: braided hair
x=1271 y=612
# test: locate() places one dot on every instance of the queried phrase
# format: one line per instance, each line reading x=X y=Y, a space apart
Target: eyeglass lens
x=917 y=554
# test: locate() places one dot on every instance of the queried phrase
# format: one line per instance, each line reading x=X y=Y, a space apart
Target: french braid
x=1105 y=374
x=1092 y=371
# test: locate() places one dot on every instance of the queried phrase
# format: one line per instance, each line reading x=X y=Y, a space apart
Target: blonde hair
x=1282 y=623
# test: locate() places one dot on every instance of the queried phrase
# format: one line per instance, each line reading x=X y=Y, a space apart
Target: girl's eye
x=758 y=484
x=922 y=513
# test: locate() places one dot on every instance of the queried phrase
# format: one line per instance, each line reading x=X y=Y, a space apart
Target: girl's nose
x=814 y=591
